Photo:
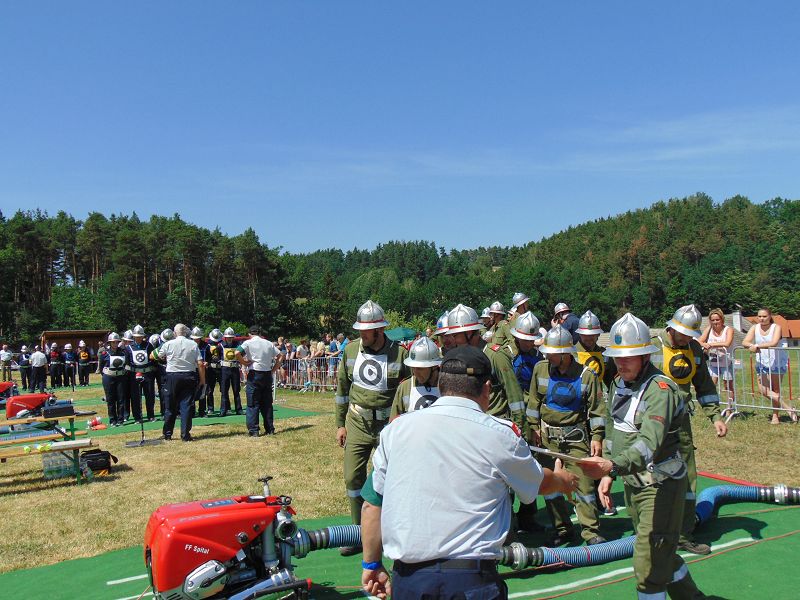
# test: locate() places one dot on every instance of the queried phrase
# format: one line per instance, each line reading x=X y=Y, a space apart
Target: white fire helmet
x=229 y=332
x=138 y=331
x=128 y=336
x=485 y=313
x=113 y=336
x=527 y=327
x=560 y=307
x=53 y=346
x=462 y=319
x=23 y=349
x=167 y=335
x=630 y=336
x=589 y=324
x=67 y=346
x=688 y=320
x=497 y=308
x=81 y=344
x=517 y=299
x=370 y=316
x=558 y=341
x=215 y=335
x=423 y=353
x=197 y=333
x=441 y=324
x=154 y=339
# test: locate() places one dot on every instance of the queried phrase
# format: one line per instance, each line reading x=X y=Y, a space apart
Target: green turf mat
x=744 y=537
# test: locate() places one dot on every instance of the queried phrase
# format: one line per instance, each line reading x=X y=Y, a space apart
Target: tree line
x=111 y=272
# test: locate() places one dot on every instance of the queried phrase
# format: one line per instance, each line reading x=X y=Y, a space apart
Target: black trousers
x=27 y=380
x=259 y=400
x=83 y=373
x=56 y=372
x=229 y=379
x=432 y=580
x=38 y=378
x=212 y=375
x=69 y=374
x=113 y=387
x=181 y=388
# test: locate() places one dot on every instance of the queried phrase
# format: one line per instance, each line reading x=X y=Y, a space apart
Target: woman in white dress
x=764 y=340
x=717 y=340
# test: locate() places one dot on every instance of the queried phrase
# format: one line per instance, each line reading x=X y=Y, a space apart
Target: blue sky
x=342 y=124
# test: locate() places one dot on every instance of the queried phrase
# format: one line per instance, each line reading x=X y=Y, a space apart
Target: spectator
x=334 y=352
x=303 y=368
x=717 y=340
x=5 y=362
x=764 y=340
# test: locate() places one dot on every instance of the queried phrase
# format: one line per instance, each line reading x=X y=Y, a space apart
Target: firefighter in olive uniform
x=84 y=364
x=497 y=320
x=229 y=374
x=646 y=412
x=445 y=340
x=113 y=366
x=369 y=374
x=590 y=353
x=142 y=379
x=566 y=414
x=526 y=334
x=422 y=388
x=685 y=363
x=212 y=356
x=506 y=399
x=519 y=306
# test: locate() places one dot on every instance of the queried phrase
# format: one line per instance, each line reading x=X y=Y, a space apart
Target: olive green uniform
x=686 y=366
x=502 y=335
x=605 y=368
x=567 y=410
x=506 y=399
x=366 y=386
x=410 y=396
x=645 y=419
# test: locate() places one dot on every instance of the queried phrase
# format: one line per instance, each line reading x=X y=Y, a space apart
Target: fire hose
x=518 y=556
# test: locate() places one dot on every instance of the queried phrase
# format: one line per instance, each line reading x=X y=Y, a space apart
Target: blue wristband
x=371 y=566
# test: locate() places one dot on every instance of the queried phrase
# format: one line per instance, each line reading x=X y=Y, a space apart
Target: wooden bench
x=69 y=443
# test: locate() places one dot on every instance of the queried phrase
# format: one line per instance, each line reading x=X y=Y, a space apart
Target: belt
x=214 y=365
x=456 y=564
x=563 y=432
x=371 y=414
x=113 y=372
x=230 y=363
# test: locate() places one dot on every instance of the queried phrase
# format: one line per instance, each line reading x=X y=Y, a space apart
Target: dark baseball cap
x=474 y=361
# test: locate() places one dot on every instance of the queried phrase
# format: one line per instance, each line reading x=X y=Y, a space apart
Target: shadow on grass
x=326 y=589
x=718 y=527
x=41 y=484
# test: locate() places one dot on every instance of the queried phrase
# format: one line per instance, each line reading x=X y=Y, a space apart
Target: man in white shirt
x=444 y=525
x=38 y=370
x=262 y=358
x=5 y=362
x=184 y=365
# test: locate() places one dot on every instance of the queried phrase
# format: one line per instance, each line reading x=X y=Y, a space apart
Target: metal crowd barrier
x=309 y=374
x=757 y=385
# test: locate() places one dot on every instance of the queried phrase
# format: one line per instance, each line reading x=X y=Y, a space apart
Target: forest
x=111 y=272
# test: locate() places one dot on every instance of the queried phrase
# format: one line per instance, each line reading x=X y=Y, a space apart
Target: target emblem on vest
x=139 y=357
x=424 y=401
x=371 y=371
x=681 y=368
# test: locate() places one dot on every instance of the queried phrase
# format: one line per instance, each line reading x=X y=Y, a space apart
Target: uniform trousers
x=687 y=452
x=557 y=507
x=25 y=376
x=181 y=386
x=432 y=579
x=230 y=380
x=38 y=378
x=124 y=406
x=146 y=387
x=363 y=436
x=259 y=400
x=163 y=392
x=56 y=372
x=83 y=373
x=657 y=514
x=212 y=375
x=69 y=374
x=113 y=390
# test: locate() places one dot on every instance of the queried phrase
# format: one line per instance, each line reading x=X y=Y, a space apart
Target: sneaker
x=610 y=512
x=693 y=547
x=188 y=438
x=598 y=539
x=350 y=550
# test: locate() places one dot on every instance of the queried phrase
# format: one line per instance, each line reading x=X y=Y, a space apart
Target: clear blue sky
x=341 y=124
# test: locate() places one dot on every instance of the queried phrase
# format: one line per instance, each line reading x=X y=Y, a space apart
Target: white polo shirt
x=262 y=352
x=38 y=359
x=181 y=354
x=445 y=473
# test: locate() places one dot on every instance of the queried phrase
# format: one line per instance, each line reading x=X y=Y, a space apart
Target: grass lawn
x=47 y=522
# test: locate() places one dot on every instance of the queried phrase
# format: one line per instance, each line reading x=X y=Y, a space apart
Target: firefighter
x=563 y=315
x=519 y=305
x=486 y=320
x=422 y=388
x=366 y=385
x=685 y=363
x=645 y=411
x=590 y=354
x=25 y=372
x=55 y=361
x=445 y=341
x=198 y=335
x=84 y=364
x=211 y=358
x=497 y=320
x=114 y=374
x=566 y=414
x=229 y=373
x=525 y=334
x=70 y=365
x=142 y=380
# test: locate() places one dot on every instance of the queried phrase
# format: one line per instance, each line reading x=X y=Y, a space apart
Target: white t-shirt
x=262 y=352
x=182 y=355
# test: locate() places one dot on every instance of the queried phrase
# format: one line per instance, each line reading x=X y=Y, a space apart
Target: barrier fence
x=309 y=374
x=767 y=380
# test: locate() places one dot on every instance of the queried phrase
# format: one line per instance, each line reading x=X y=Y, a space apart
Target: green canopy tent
x=401 y=334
